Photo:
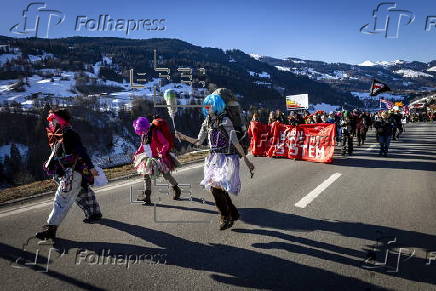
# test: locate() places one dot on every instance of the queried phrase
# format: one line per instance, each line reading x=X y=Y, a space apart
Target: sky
x=316 y=30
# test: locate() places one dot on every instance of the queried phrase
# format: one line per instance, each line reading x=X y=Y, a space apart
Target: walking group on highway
x=228 y=141
x=388 y=125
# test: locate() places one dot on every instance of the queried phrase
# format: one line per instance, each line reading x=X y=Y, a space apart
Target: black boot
x=93 y=218
x=177 y=192
x=225 y=223
x=49 y=232
x=147 y=199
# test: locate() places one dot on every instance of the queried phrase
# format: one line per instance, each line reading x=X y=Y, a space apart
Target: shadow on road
x=239 y=266
x=410 y=267
x=16 y=255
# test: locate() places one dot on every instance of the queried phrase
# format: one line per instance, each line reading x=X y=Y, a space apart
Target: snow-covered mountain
x=399 y=74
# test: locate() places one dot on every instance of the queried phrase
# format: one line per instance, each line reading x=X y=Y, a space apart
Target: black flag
x=378 y=87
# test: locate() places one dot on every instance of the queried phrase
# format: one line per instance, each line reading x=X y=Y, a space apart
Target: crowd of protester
x=352 y=126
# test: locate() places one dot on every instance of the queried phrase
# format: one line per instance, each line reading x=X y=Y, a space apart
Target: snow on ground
x=256 y=56
x=97 y=68
x=107 y=60
x=180 y=88
x=382 y=63
x=5 y=150
x=367 y=64
x=412 y=74
x=259 y=75
x=59 y=88
x=432 y=69
x=285 y=69
x=295 y=61
x=388 y=96
x=37 y=58
x=120 y=154
x=311 y=73
x=4 y=58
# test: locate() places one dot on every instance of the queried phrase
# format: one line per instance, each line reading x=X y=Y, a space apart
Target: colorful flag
x=389 y=104
x=378 y=87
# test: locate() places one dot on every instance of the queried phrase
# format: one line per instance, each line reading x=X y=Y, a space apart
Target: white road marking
x=38 y=205
x=370 y=147
x=306 y=200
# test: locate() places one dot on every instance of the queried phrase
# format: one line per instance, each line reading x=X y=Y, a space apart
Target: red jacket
x=160 y=147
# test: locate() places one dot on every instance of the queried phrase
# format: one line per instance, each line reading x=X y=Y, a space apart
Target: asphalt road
x=367 y=222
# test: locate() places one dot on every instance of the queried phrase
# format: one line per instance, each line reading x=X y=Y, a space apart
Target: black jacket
x=383 y=127
x=73 y=145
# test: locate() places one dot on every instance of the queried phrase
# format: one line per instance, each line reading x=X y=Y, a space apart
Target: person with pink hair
x=153 y=158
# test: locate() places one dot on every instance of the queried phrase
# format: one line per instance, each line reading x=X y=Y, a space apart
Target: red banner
x=260 y=138
x=309 y=142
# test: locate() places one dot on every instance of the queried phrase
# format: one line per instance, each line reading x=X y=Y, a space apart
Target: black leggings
x=224 y=203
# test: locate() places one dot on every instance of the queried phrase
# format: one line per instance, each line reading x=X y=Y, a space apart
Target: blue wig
x=217 y=103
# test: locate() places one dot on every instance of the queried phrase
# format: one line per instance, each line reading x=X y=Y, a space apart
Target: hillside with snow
x=399 y=74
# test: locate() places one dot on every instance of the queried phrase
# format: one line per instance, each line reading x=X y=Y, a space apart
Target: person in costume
x=72 y=169
x=153 y=157
x=221 y=166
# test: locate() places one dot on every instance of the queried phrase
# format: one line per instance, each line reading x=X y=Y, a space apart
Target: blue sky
x=317 y=30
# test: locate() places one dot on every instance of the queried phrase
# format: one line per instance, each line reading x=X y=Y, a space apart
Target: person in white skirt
x=221 y=167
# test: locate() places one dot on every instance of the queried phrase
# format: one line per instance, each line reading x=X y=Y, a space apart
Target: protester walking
x=384 y=130
x=72 y=169
x=221 y=167
x=153 y=157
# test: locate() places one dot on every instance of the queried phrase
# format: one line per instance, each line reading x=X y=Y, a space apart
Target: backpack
x=233 y=111
x=165 y=129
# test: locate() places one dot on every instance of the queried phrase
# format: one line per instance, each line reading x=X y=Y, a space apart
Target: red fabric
x=165 y=129
x=260 y=136
x=160 y=148
x=159 y=145
x=309 y=142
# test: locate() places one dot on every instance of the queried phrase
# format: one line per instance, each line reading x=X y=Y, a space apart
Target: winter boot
x=147 y=199
x=225 y=223
x=177 y=192
x=49 y=232
x=93 y=218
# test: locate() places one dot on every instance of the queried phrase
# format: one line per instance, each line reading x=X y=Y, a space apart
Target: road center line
x=306 y=200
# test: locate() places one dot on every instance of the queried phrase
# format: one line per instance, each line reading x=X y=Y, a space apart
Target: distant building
x=4 y=48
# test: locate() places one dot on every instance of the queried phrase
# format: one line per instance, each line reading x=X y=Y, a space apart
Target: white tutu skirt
x=222 y=171
x=149 y=166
